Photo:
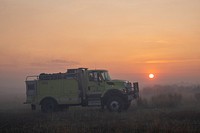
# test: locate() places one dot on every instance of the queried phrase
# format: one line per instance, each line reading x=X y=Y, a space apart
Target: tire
x=115 y=104
x=48 y=106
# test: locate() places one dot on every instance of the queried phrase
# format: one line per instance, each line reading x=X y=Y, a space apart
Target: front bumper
x=134 y=93
x=130 y=97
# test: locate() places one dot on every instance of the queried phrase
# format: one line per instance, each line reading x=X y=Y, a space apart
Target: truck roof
x=101 y=70
x=93 y=70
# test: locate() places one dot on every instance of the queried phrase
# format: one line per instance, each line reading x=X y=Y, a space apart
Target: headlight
x=124 y=90
x=128 y=85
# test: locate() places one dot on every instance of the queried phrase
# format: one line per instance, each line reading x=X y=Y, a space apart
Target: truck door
x=96 y=86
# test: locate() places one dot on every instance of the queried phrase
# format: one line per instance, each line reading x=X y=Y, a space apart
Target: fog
x=12 y=98
x=158 y=107
x=13 y=89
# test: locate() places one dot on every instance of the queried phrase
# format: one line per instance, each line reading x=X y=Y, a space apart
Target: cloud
x=65 y=62
x=155 y=42
x=171 y=61
x=55 y=63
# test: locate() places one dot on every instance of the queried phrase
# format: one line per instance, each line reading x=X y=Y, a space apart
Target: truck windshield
x=105 y=76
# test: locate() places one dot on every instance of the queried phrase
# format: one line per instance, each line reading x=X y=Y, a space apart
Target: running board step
x=94 y=102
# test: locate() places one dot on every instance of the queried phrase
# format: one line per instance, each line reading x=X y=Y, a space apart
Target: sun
x=151 y=76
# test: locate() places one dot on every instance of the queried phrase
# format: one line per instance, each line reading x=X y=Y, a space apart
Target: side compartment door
x=71 y=92
x=31 y=91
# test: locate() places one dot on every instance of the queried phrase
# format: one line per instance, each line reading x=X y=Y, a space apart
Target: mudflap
x=136 y=90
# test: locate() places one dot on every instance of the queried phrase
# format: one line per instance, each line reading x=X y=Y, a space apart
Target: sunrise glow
x=128 y=38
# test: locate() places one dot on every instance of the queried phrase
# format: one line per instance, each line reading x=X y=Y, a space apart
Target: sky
x=130 y=38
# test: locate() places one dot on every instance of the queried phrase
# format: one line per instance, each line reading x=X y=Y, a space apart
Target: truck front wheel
x=48 y=106
x=115 y=104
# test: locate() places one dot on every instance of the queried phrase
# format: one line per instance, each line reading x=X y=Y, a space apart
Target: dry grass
x=166 y=100
x=90 y=120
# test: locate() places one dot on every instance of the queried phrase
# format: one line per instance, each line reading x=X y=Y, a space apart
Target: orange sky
x=130 y=38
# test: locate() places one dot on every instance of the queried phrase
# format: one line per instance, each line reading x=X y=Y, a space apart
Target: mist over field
x=13 y=88
x=13 y=98
x=160 y=108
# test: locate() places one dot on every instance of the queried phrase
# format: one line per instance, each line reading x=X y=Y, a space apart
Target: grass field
x=177 y=111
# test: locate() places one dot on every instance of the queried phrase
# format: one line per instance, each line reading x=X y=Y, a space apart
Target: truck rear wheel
x=48 y=106
x=115 y=104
